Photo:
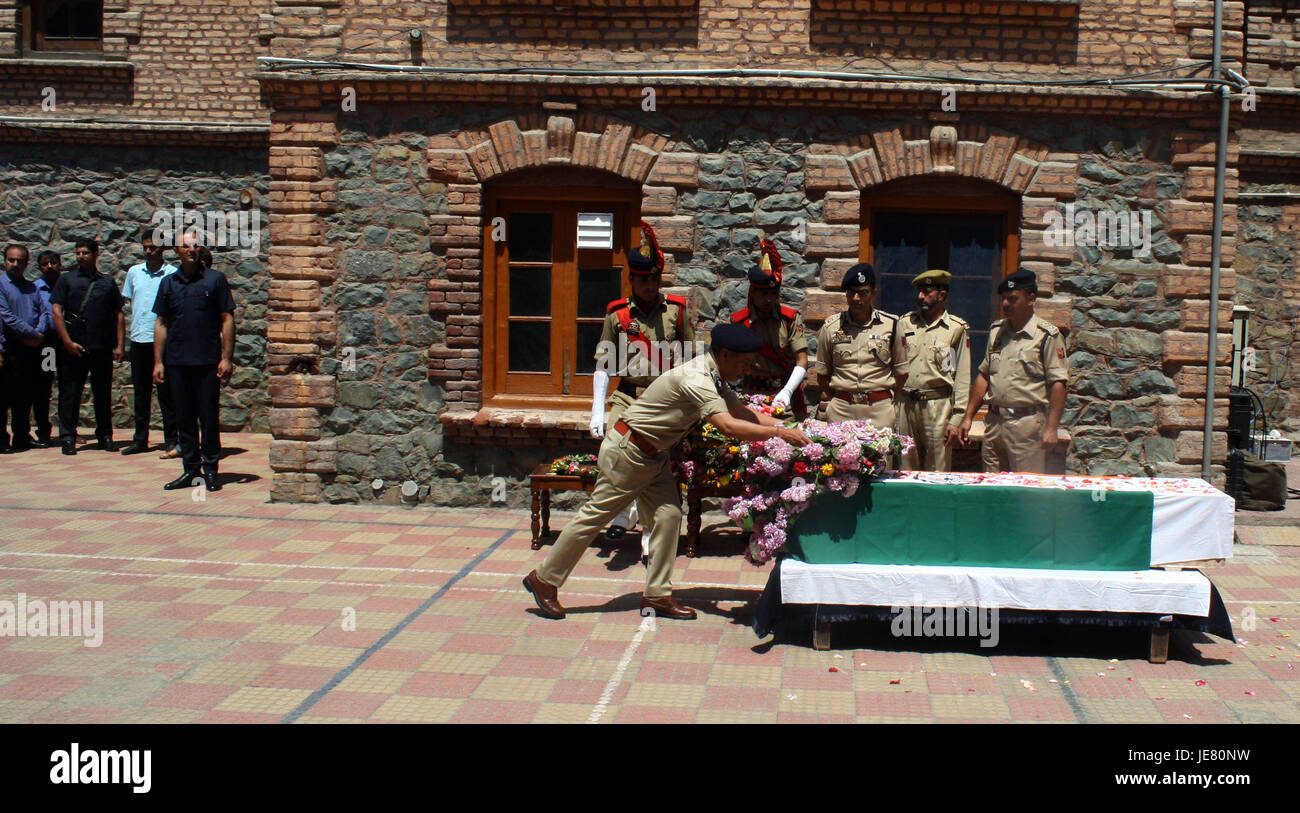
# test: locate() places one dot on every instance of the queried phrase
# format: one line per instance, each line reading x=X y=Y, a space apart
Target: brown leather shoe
x=546 y=596
x=666 y=607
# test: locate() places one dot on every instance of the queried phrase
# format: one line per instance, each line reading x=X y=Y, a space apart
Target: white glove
x=599 y=386
x=787 y=392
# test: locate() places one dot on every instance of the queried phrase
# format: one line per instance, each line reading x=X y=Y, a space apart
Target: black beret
x=1021 y=280
x=730 y=336
x=860 y=274
x=763 y=279
x=638 y=263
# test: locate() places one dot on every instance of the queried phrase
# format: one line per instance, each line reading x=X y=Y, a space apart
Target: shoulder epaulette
x=788 y=312
x=673 y=299
x=1049 y=328
x=617 y=304
x=740 y=315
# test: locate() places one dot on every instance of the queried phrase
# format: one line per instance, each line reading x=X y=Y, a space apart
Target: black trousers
x=195 y=392
x=44 y=388
x=17 y=388
x=142 y=360
x=98 y=364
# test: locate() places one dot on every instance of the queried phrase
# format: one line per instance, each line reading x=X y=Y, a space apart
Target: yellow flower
x=828 y=470
x=724 y=480
x=734 y=449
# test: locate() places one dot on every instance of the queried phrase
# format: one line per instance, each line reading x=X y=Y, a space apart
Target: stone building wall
x=387 y=203
x=1266 y=268
x=1028 y=37
x=160 y=59
x=54 y=194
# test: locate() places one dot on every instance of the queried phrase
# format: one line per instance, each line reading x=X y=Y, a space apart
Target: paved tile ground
x=232 y=609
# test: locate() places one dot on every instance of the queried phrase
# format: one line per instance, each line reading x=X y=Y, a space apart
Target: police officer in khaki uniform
x=637 y=330
x=861 y=356
x=938 y=374
x=1024 y=375
x=782 y=362
x=635 y=466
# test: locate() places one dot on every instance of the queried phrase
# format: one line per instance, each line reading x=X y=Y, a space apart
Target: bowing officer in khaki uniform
x=636 y=331
x=635 y=466
x=861 y=356
x=938 y=374
x=782 y=362
x=1024 y=376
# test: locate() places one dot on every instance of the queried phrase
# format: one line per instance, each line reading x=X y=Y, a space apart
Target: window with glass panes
x=550 y=280
x=65 y=25
x=973 y=239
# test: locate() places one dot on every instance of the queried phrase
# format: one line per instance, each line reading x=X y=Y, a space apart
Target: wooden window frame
x=496 y=200
x=946 y=200
x=33 y=10
x=944 y=197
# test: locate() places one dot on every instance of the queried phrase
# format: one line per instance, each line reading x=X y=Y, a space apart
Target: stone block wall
x=54 y=194
x=378 y=218
x=1266 y=264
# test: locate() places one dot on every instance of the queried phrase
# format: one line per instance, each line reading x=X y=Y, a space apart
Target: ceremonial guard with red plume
x=781 y=365
x=635 y=333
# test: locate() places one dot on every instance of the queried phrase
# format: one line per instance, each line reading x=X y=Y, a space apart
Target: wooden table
x=694 y=497
x=542 y=482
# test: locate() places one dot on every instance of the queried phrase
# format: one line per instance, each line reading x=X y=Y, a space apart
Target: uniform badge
x=633 y=329
x=1060 y=352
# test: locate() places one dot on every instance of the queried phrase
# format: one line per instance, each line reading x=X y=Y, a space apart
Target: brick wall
x=166 y=60
x=1027 y=37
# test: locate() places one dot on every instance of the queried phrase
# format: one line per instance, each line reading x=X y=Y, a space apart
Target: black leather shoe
x=546 y=596
x=186 y=480
x=70 y=448
x=211 y=482
x=135 y=448
x=41 y=443
x=104 y=445
x=615 y=532
x=665 y=607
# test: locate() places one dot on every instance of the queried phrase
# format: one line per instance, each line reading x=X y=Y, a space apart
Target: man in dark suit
x=87 y=309
x=194 y=336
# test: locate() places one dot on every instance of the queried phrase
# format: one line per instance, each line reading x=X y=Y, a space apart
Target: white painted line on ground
x=647 y=625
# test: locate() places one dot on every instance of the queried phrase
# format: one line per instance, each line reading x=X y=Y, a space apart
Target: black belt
x=1016 y=411
x=631 y=390
x=929 y=395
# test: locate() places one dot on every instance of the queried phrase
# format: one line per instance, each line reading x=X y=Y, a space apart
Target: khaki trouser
x=881 y=413
x=627 y=475
x=1014 y=444
x=925 y=422
x=616 y=403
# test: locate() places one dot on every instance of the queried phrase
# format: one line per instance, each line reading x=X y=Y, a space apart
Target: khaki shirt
x=657 y=325
x=675 y=402
x=939 y=356
x=1021 y=364
x=787 y=338
x=861 y=358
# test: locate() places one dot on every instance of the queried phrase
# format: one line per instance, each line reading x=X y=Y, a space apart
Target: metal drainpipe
x=1216 y=245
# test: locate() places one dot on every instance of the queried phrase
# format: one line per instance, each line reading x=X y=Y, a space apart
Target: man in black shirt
x=195 y=339
x=88 y=317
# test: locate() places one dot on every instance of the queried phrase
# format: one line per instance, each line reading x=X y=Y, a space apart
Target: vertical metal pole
x=1216 y=245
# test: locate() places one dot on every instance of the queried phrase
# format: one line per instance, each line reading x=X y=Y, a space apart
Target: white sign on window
x=595 y=230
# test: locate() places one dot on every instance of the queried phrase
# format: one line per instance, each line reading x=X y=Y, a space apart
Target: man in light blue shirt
x=141 y=287
x=50 y=265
